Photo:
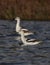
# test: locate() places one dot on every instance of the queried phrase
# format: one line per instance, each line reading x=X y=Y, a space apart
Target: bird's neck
x=18 y=23
x=23 y=37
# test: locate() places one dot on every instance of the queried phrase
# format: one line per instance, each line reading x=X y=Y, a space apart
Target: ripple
x=11 y=52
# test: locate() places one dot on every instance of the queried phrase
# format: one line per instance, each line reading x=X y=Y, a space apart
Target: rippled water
x=13 y=54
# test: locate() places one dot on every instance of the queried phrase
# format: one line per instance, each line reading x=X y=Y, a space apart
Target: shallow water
x=13 y=54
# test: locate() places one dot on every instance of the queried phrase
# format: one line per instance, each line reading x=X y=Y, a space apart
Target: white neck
x=22 y=37
x=18 y=24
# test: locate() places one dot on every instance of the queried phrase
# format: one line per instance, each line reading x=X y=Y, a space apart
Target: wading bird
x=25 y=42
x=19 y=28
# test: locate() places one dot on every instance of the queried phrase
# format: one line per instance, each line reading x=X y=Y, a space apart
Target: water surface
x=13 y=54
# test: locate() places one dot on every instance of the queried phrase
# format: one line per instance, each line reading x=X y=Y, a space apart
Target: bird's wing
x=25 y=29
x=30 y=40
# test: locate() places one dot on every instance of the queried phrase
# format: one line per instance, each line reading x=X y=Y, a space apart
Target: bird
x=25 y=42
x=19 y=28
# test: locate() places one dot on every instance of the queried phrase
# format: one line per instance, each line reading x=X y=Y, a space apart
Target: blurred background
x=26 y=9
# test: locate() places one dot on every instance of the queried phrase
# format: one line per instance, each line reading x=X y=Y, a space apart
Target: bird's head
x=17 y=18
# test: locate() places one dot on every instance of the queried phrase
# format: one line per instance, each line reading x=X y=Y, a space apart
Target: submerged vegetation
x=26 y=9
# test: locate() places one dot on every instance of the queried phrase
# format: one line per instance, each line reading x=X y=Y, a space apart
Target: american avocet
x=26 y=42
x=18 y=27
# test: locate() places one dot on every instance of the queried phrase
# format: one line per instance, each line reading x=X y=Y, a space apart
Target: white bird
x=28 y=42
x=18 y=27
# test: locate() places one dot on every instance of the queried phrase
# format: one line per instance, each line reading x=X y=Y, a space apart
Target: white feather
x=26 y=42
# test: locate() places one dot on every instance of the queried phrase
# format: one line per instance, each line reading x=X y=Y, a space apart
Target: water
x=13 y=54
